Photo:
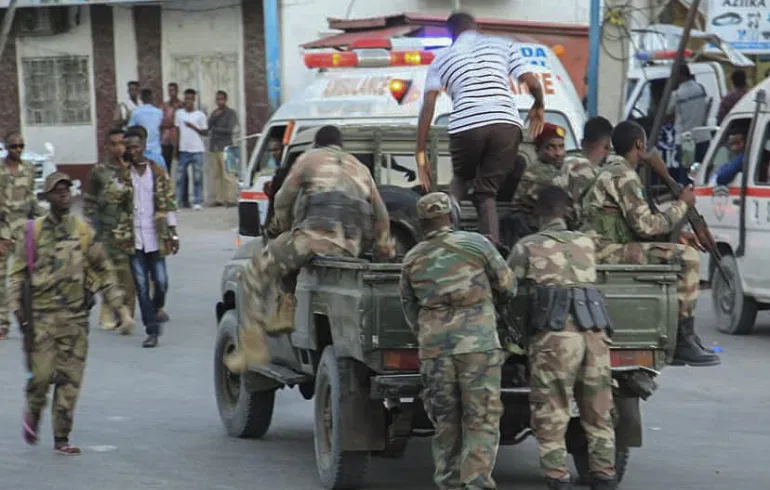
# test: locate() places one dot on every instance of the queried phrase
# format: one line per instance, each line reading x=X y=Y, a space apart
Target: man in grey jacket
x=222 y=124
x=690 y=103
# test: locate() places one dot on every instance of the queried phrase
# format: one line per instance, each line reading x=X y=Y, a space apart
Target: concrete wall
x=125 y=49
x=306 y=20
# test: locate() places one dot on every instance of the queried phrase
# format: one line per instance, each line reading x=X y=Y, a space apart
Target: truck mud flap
x=628 y=429
x=363 y=419
x=395 y=386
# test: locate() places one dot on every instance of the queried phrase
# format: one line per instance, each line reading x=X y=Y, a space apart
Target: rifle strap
x=469 y=256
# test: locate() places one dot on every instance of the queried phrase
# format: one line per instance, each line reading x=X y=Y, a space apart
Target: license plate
x=573 y=409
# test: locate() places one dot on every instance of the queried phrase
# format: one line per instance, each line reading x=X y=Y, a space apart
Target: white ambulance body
x=384 y=85
x=743 y=237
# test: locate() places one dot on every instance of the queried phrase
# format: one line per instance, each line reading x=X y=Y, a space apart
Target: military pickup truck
x=354 y=355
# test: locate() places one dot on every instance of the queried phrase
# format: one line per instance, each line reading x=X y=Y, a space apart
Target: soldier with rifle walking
x=56 y=269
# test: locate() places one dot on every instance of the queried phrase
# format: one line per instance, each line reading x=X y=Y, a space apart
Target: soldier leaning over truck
x=446 y=287
x=616 y=211
x=328 y=205
x=569 y=348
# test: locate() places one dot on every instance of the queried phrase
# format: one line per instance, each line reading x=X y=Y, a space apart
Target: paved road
x=147 y=418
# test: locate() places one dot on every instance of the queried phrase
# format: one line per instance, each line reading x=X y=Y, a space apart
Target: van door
x=758 y=212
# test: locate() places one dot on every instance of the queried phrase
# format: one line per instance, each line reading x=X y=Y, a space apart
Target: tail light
x=401 y=360
x=622 y=358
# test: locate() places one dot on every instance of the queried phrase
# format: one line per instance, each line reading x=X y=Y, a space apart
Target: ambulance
x=381 y=81
x=738 y=213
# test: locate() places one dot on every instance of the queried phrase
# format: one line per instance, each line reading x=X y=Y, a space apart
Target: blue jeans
x=143 y=266
x=194 y=160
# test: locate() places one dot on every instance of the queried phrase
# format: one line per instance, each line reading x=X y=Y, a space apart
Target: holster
x=550 y=308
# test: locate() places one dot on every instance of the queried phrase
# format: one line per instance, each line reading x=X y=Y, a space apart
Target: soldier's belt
x=551 y=306
x=611 y=210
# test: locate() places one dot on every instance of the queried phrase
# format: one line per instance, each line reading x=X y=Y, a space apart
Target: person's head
x=57 y=192
x=550 y=144
x=630 y=141
x=14 y=145
x=684 y=73
x=146 y=96
x=328 y=136
x=276 y=149
x=597 y=139
x=553 y=202
x=189 y=99
x=738 y=78
x=736 y=138
x=221 y=99
x=173 y=90
x=139 y=129
x=133 y=89
x=134 y=146
x=435 y=211
x=116 y=147
x=460 y=22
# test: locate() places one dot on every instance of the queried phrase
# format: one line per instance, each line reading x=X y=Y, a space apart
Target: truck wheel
x=402 y=207
x=735 y=311
x=580 y=458
x=244 y=414
x=337 y=469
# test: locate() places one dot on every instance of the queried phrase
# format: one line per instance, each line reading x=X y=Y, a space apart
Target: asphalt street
x=147 y=417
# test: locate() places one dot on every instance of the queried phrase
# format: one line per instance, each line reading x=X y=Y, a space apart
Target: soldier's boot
x=603 y=482
x=688 y=350
x=554 y=484
x=282 y=320
x=251 y=351
x=107 y=318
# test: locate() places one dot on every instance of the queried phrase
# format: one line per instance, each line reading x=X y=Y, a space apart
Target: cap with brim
x=55 y=178
x=434 y=205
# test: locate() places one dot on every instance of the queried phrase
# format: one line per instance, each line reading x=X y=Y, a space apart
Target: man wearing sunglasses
x=18 y=203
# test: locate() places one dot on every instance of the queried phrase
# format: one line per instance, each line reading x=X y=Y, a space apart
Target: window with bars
x=57 y=90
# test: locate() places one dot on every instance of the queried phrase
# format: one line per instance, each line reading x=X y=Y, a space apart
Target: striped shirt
x=476 y=72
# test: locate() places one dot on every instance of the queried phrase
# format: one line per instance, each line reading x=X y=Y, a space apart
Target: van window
x=723 y=154
x=403 y=170
x=270 y=151
x=762 y=175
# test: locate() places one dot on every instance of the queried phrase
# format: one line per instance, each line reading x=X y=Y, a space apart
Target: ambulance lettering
x=546 y=80
x=534 y=55
x=356 y=86
x=720 y=201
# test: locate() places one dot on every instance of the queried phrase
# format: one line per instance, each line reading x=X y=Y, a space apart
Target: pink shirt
x=145 y=234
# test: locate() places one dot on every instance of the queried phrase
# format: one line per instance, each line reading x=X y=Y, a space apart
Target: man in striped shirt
x=484 y=127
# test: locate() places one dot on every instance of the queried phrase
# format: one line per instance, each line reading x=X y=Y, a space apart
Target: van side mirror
x=233 y=160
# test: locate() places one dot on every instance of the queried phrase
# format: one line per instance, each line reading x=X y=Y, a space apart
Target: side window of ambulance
x=762 y=174
x=270 y=151
x=723 y=154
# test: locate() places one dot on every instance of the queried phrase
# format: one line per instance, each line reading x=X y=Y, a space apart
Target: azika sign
x=745 y=24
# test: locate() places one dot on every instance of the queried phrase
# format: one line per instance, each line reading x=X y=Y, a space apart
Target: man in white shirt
x=193 y=126
x=485 y=126
x=127 y=105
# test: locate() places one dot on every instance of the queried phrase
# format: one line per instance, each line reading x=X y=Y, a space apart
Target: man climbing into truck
x=328 y=205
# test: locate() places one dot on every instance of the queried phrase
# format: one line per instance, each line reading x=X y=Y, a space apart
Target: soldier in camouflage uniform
x=546 y=170
x=447 y=284
x=615 y=210
x=328 y=205
x=578 y=173
x=17 y=204
x=68 y=267
x=109 y=206
x=568 y=358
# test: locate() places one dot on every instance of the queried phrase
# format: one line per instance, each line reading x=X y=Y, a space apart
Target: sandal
x=29 y=424
x=66 y=449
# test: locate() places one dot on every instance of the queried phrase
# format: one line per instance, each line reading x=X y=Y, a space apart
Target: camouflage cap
x=55 y=178
x=434 y=205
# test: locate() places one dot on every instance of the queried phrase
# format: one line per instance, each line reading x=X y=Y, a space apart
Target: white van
x=739 y=215
x=384 y=84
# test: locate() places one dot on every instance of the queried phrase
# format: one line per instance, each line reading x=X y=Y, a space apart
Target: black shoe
x=151 y=341
x=603 y=482
x=552 y=484
x=688 y=350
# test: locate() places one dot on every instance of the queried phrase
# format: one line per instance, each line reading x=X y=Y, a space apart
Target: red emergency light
x=399 y=88
x=349 y=59
x=665 y=54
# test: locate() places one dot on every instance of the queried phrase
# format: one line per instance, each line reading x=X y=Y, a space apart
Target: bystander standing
x=192 y=125
x=150 y=118
x=222 y=124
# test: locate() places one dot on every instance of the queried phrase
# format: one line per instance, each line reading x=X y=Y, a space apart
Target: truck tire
x=402 y=208
x=580 y=458
x=735 y=311
x=245 y=415
x=337 y=469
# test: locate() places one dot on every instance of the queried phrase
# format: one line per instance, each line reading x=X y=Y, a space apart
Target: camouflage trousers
x=565 y=365
x=109 y=317
x=5 y=318
x=280 y=258
x=661 y=253
x=59 y=356
x=462 y=399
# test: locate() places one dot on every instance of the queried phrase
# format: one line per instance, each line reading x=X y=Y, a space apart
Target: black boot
x=603 y=482
x=688 y=349
x=553 y=484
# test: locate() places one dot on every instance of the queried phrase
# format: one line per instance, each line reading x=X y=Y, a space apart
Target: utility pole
x=10 y=13
x=455 y=5
x=594 y=43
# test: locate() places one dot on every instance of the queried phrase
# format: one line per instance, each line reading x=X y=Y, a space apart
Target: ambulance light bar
x=368 y=58
x=666 y=54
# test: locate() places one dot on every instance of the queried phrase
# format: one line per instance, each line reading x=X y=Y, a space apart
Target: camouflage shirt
x=447 y=298
x=554 y=256
x=19 y=201
x=61 y=267
x=326 y=171
x=109 y=205
x=618 y=190
x=578 y=174
x=537 y=175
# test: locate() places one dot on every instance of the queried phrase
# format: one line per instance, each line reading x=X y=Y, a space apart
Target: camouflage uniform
x=330 y=205
x=616 y=213
x=521 y=221
x=60 y=315
x=18 y=203
x=447 y=300
x=567 y=363
x=109 y=206
x=578 y=174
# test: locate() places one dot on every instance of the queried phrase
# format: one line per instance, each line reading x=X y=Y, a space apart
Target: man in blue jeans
x=193 y=126
x=155 y=234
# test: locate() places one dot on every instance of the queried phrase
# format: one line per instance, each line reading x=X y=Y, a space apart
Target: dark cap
x=55 y=178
